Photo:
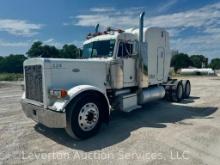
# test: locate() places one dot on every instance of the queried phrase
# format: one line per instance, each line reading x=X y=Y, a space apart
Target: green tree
x=12 y=63
x=215 y=63
x=40 y=50
x=1 y=58
x=198 y=60
x=180 y=60
x=50 y=52
x=70 y=51
x=36 y=49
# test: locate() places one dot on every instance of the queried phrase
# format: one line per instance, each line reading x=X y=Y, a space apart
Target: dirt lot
x=160 y=133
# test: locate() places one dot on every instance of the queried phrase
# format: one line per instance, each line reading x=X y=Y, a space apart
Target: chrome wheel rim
x=88 y=117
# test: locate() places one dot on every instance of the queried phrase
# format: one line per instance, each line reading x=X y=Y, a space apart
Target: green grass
x=11 y=76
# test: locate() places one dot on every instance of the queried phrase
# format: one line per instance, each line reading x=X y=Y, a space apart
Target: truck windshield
x=103 y=48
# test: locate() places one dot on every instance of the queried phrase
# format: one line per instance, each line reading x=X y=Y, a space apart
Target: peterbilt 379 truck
x=118 y=70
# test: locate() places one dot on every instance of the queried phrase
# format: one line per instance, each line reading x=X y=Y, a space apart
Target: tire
x=84 y=118
x=168 y=89
x=177 y=92
x=187 y=89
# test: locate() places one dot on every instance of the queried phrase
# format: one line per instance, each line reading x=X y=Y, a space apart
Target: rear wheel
x=187 y=88
x=177 y=92
x=84 y=116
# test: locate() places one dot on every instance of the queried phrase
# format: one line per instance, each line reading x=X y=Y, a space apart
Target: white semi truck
x=118 y=70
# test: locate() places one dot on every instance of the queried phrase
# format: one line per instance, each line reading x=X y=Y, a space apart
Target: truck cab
x=119 y=47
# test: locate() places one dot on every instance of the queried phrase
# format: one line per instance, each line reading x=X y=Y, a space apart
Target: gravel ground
x=160 y=133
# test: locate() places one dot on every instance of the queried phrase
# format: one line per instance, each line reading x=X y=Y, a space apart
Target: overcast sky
x=194 y=26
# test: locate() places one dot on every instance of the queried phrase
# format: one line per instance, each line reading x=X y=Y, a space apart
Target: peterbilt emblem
x=76 y=70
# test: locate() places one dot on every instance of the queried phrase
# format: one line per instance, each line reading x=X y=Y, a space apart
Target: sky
x=194 y=25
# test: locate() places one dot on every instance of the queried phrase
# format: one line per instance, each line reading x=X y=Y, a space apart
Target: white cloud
x=204 y=16
x=12 y=47
x=167 y=5
x=19 y=27
x=193 y=18
x=53 y=42
x=48 y=41
x=77 y=43
x=213 y=30
x=202 y=44
x=204 y=21
x=14 y=44
x=58 y=44
x=103 y=9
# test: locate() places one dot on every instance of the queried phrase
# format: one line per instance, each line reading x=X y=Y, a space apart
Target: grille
x=33 y=82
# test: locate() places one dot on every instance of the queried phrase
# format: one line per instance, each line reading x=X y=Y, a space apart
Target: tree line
x=14 y=62
x=182 y=60
x=46 y=51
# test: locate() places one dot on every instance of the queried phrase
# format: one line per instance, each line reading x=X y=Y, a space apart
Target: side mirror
x=136 y=48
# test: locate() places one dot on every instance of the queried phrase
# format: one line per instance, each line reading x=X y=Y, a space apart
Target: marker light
x=59 y=93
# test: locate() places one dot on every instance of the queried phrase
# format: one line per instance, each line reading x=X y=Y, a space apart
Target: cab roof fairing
x=126 y=36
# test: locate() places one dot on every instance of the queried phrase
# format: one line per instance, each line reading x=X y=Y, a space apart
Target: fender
x=60 y=105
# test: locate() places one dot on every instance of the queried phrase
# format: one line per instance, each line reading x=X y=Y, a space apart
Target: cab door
x=125 y=53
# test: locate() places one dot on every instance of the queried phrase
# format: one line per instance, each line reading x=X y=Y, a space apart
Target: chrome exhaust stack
x=142 y=66
x=141 y=27
x=97 y=28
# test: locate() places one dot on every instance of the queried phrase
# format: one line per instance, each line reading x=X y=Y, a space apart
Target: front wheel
x=84 y=116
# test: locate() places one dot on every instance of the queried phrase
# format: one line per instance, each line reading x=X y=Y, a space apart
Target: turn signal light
x=59 y=93
x=63 y=93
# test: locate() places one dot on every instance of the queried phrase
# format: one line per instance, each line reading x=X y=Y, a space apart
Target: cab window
x=103 y=48
x=125 y=49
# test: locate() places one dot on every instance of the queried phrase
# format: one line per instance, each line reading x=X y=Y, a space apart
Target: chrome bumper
x=46 y=117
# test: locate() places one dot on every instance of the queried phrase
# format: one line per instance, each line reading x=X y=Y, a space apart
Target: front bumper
x=46 y=117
